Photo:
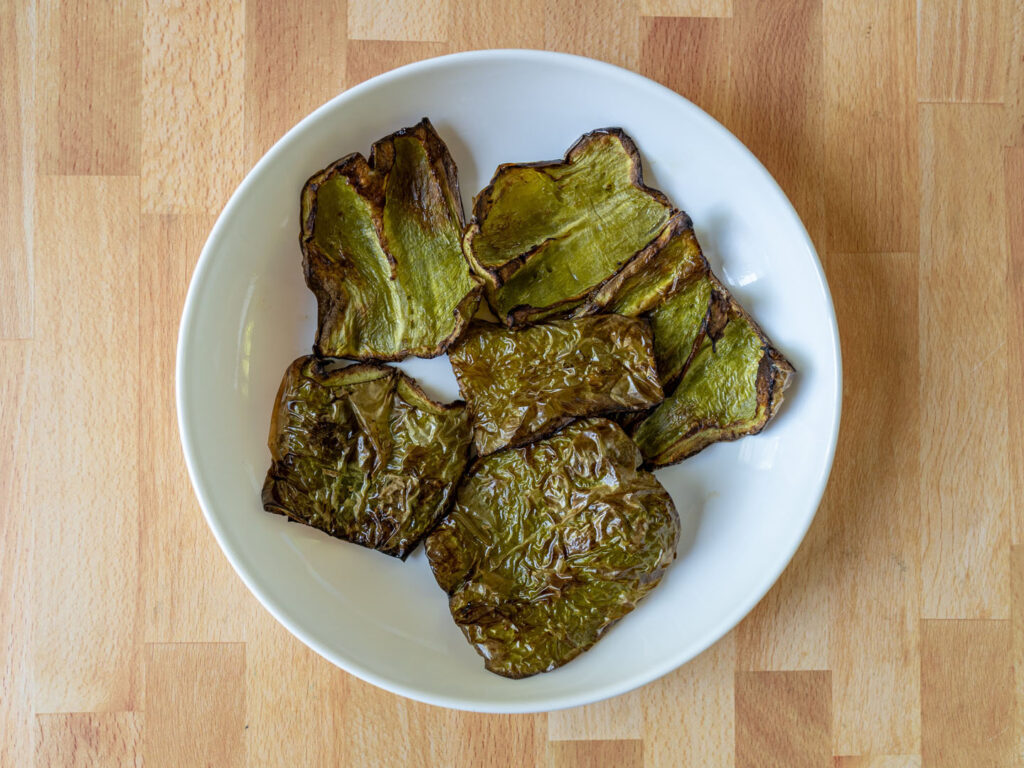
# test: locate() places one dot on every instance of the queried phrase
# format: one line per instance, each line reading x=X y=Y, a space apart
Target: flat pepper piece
x=523 y=384
x=731 y=386
x=381 y=244
x=545 y=236
x=550 y=544
x=363 y=454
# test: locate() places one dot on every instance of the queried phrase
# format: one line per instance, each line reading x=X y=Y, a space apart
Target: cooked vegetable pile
x=616 y=351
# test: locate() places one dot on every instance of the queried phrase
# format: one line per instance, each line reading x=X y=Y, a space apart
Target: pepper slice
x=544 y=236
x=550 y=544
x=521 y=385
x=731 y=386
x=363 y=454
x=381 y=244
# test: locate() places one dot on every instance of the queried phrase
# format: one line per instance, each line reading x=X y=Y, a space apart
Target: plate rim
x=188 y=439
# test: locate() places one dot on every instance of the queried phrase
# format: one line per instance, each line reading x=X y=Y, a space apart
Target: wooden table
x=895 y=638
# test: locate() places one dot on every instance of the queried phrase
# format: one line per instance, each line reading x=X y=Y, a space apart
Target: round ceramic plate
x=744 y=506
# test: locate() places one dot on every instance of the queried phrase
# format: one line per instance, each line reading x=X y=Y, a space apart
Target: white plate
x=745 y=506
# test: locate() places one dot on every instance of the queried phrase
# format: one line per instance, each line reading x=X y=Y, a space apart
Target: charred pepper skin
x=548 y=545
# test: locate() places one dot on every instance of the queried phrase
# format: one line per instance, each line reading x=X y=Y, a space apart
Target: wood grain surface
x=896 y=637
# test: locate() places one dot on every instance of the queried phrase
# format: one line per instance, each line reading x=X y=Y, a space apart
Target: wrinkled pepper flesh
x=548 y=545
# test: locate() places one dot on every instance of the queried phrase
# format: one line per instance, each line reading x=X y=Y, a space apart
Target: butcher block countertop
x=895 y=638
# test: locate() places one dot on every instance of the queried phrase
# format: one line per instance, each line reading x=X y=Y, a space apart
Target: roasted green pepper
x=363 y=454
x=381 y=244
x=523 y=384
x=731 y=386
x=550 y=544
x=545 y=236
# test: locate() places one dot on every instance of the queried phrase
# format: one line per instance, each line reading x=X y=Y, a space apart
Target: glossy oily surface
x=550 y=544
x=362 y=454
x=743 y=506
x=545 y=234
x=381 y=250
x=527 y=383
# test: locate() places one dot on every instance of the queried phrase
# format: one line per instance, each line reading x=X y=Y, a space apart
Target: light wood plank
x=16 y=521
x=85 y=740
x=414 y=733
x=368 y=58
x=871 y=197
x=89 y=87
x=601 y=29
x=1014 y=95
x=295 y=702
x=966 y=694
x=873 y=493
x=783 y=719
x=618 y=718
x=962 y=47
x=689 y=715
x=965 y=486
x=497 y=24
x=189 y=591
x=1014 y=173
x=691 y=8
x=596 y=754
x=777 y=96
x=294 y=62
x=692 y=57
x=1017 y=563
x=195 y=705
x=17 y=160
x=423 y=20
x=788 y=630
x=83 y=470
x=879 y=761
x=192 y=105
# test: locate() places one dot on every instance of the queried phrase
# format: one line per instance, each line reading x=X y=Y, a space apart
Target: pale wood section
x=601 y=29
x=965 y=485
x=692 y=57
x=618 y=718
x=1014 y=170
x=694 y=8
x=875 y=556
x=388 y=730
x=1014 y=96
x=15 y=556
x=89 y=86
x=192 y=111
x=186 y=582
x=367 y=58
x=596 y=754
x=294 y=62
x=871 y=198
x=82 y=468
x=689 y=715
x=962 y=49
x=295 y=702
x=1017 y=564
x=789 y=628
x=497 y=24
x=776 y=100
x=966 y=694
x=425 y=20
x=783 y=720
x=879 y=761
x=195 y=705
x=17 y=161
x=86 y=740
